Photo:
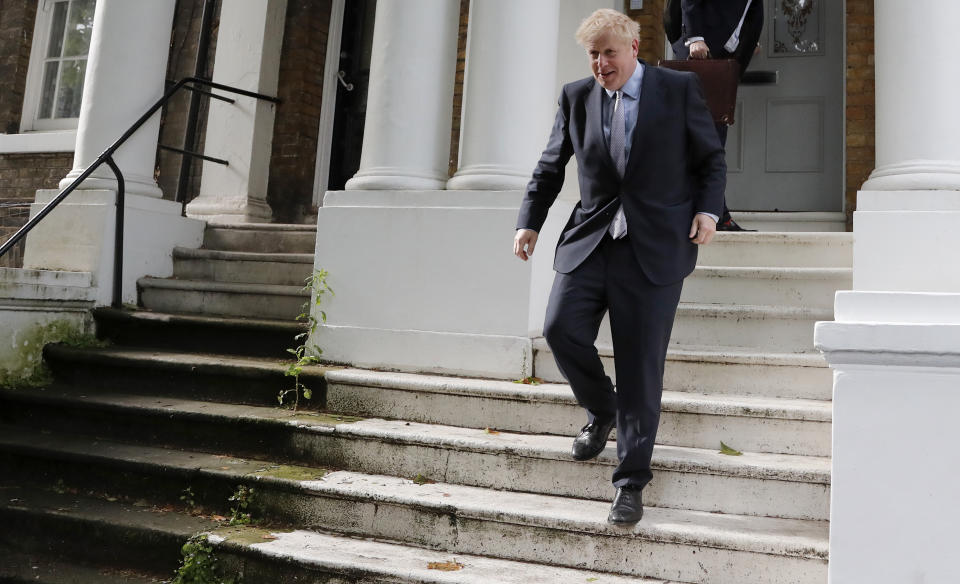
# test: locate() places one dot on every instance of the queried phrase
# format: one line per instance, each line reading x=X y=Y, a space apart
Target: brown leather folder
x=719 y=78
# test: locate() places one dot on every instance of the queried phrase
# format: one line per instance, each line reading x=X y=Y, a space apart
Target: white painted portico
x=895 y=343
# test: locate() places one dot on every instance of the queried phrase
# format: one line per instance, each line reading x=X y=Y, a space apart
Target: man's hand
x=699 y=50
x=702 y=229
x=525 y=238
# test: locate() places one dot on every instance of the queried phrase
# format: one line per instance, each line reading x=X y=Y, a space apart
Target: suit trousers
x=641 y=320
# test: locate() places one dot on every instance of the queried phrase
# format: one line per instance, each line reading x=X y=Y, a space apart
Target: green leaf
x=307 y=393
x=724 y=449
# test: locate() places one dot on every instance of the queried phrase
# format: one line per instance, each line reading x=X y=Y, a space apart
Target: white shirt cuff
x=692 y=40
x=710 y=215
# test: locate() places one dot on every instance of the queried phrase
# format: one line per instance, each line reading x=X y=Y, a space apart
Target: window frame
x=33 y=90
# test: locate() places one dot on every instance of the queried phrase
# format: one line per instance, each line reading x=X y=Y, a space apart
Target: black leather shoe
x=592 y=439
x=627 y=505
x=731 y=225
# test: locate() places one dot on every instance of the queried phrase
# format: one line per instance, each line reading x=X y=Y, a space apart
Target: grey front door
x=785 y=152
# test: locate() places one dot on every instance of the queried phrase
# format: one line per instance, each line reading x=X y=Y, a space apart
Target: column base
x=133 y=184
x=78 y=236
x=896 y=361
x=884 y=220
x=229 y=210
x=388 y=179
x=915 y=175
x=489 y=178
x=425 y=281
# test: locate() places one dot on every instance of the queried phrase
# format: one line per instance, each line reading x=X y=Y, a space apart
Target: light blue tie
x=618 y=141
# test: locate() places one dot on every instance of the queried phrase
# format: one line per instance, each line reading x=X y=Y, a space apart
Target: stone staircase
x=247 y=269
x=399 y=474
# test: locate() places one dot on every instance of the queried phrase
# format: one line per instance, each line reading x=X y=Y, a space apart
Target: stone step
x=752 y=484
x=784 y=329
x=278 y=555
x=778 y=286
x=751 y=423
x=688 y=546
x=61 y=525
x=799 y=250
x=725 y=371
x=285 y=269
x=195 y=376
x=792 y=221
x=222 y=298
x=35 y=568
x=261 y=237
x=197 y=333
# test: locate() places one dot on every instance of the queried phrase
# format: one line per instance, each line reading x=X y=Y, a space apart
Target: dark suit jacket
x=716 y=20
x=676 y=168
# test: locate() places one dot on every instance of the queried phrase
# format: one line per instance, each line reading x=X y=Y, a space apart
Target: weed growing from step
x=317 y=285
x=243 y=496
x=199 y=564
x=189 y=499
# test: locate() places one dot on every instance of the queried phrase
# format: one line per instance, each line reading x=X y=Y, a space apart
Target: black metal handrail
x=106 y=157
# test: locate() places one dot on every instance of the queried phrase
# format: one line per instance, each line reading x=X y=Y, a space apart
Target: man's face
x=612 y=60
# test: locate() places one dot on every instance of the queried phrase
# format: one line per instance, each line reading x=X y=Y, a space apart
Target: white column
x=917 y=116
x=894 y=343
x=126 y=68
x=249 y=42
x=509 y=92
x=907 y=212
x=118 y=89
x=406 y=140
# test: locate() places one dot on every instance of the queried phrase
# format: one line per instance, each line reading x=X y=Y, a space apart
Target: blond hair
x=605 y=22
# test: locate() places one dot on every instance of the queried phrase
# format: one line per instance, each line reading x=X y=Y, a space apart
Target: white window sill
x=64 y=141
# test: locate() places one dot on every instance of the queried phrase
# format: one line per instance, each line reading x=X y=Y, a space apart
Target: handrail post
x=118 y=236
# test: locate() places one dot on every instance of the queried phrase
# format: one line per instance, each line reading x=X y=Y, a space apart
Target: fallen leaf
x=218 y=518
x=422 y=480
x=452 y=566
x=446 y=494
x=724 y=449
x=269 y=536
x=489 y=431
x=592 y=579
x=224 y=468
x=112 y=499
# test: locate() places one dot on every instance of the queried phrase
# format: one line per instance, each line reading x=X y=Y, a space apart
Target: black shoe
x=592 y=439
x=627 y=505
x=731 y=225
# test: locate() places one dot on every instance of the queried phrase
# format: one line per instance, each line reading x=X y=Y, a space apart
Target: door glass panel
x=79 y=28
x=49 y=88
x=796 y=27
x=71 y=88
x=56 y=29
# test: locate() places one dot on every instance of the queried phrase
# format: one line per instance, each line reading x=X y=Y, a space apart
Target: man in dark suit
x=720 y=30
x=652 y=175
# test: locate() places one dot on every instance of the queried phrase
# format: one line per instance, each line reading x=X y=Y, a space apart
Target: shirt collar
x=632 y=87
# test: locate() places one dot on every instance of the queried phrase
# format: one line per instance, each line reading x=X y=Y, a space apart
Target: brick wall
x=458 y=87
x=180 y=64
x=650 y=18
x=861 y=102
x=296 y=128
x=16 y=33
x=20 y=174
x=20 y=177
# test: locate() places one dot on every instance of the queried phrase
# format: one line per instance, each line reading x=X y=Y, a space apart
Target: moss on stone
x=289 y=472
x=23 y=367
x=244 y=535
x=324 y=418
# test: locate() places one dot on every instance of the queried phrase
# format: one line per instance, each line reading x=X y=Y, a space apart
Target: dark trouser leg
x=577 y=304
x=641 y=319
x=722 y=132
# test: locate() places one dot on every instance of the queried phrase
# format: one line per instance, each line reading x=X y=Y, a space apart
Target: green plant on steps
x=199 y=565
x=317 y=285
x=243 y=496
